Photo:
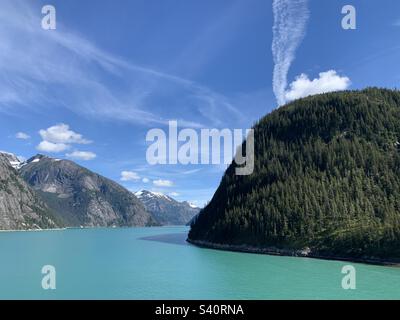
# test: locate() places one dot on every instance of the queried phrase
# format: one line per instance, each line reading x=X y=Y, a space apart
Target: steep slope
x=166 y=210
x=82 y=198
x=20 y=207
x=326 y=181
x=192 y=221
x=12 y=159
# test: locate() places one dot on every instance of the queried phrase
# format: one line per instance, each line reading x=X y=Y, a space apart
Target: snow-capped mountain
x=192 y=205
x=20 y=206
x=18 y=162
x=70 y=195
x=166 y=210
x=152 y=195
x=81 y=197
x=15 y=161
x=45 y=192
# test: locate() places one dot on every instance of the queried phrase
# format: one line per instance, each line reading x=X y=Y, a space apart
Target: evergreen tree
x=327 y=177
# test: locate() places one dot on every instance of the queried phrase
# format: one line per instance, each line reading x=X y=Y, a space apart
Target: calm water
x=156 y=263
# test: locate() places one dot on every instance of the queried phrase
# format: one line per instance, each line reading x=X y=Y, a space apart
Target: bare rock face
x=80 y=197
x=20 y=206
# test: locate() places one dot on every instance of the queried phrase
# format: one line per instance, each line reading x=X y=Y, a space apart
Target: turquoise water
x=156 y=263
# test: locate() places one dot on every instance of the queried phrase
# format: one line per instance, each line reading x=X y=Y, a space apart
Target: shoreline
x=34 y=230
x=86 y=228
x=291 y=253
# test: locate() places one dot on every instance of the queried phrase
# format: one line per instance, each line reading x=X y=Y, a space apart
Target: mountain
x=326 y=181
x=165 y=209
x=20 y=207
x=80 y=197
x=12 y=159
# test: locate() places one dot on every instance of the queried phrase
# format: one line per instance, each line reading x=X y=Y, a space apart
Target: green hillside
x=327 y=177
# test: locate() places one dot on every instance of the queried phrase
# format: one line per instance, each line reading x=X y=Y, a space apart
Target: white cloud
x=46 y=146
x=290 y=20
x=22 y=136
x=145 y=180
x=129 y=176
x=174 y=194
x=326 y=82
x=163 y=183
x=82 y=155
x=61 y=133
x=59 y=138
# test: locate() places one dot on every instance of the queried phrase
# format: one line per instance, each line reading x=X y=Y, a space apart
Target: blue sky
x=112 y=70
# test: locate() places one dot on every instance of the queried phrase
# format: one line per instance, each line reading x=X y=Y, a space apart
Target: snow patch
x=143 y=194
x=15 y=161
x=139 y=193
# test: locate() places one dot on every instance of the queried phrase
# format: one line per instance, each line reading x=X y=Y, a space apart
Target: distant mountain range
x=45 y=192
x=166 y=210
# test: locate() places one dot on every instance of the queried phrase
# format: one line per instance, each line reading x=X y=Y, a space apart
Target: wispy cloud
x=190 y=171
x=129 y=176
x=163 y=183
x=81 y=155
x=57 y=68
x=22 y=136
x=290 y=20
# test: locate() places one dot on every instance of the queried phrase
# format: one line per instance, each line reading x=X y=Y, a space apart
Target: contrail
x=290 y=20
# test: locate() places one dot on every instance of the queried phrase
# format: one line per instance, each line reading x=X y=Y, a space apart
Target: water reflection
x=173 y=238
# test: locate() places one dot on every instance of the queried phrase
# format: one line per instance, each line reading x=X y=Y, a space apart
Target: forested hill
x=327 y=178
